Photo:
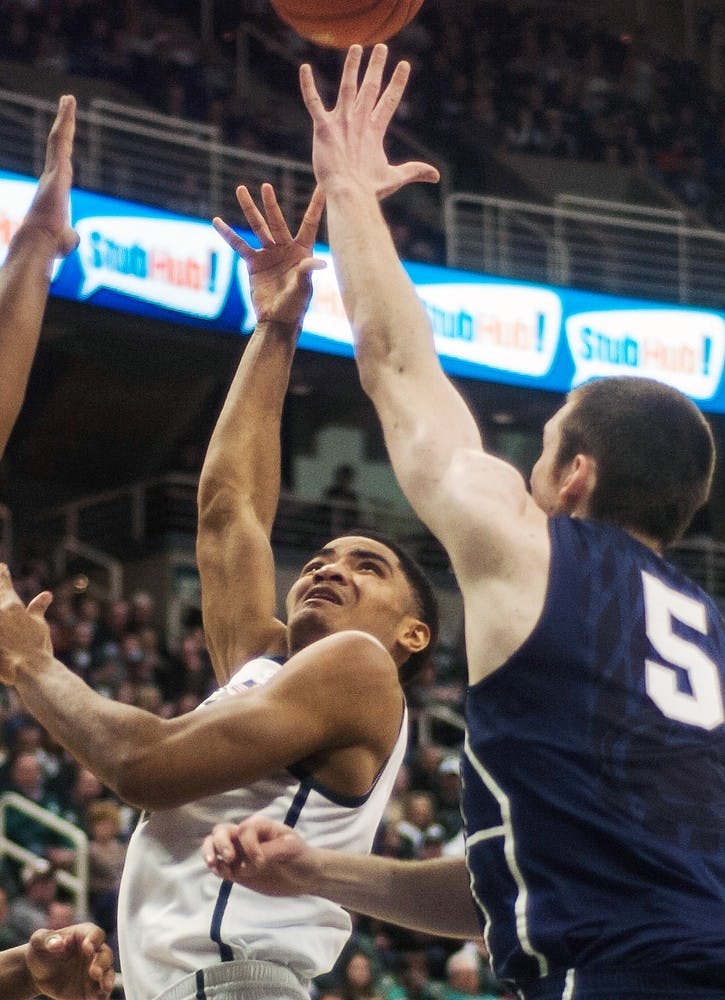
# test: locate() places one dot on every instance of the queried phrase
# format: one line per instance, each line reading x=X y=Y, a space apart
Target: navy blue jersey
x=594 y=772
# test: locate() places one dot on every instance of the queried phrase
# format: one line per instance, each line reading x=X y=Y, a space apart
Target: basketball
x=337 y=24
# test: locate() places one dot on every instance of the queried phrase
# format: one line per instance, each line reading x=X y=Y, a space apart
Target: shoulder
x=341 y=667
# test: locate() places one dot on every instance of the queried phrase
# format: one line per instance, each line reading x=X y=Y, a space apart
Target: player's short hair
x=654 y=451
x=425 y=599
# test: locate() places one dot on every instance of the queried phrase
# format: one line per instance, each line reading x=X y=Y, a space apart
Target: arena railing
x=603 y=246
x=183 y=166
x=137 y=516
x=131 y=153
x=75 y=881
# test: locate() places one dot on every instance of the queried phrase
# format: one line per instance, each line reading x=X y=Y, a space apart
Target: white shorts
x=244 y=980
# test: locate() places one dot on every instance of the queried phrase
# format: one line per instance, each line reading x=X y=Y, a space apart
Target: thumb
x=416 y=170
x=412 y=172
x=54 y=942
x=40 y=604
x=68 y=243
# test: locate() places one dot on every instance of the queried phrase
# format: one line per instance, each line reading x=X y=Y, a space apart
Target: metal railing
x=76 y=881
x=137 y=514
x=155 y=159
x=161 y=160
x=610 y=247
x=182 y=166
x=166 y=505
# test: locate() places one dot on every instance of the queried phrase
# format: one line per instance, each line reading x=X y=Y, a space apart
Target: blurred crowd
x=485 y=77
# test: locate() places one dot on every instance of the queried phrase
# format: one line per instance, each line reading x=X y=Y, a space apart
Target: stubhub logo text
x=684 y=348
x=513 y=328
x=176 y=264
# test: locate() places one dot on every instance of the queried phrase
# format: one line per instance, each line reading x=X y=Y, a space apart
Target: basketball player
x=594 y=760
x=73 y=963
x=316 y=742
x=43 y=235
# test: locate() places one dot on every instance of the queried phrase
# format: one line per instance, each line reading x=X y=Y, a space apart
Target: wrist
x=36 y=239
x=279 y=325
x=29 y=666
x=16 y=974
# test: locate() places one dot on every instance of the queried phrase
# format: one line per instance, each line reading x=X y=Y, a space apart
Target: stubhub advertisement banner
x=175 y=268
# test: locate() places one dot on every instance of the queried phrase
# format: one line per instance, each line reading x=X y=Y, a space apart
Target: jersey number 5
x=704 y=705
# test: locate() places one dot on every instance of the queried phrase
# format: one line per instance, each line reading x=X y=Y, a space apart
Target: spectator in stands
x=106 y=854
x=27 y=780
x=29 y=908
x=61 y=913
x=357 y=978
x=412 y=979
x=9 y=935
x=448 y=796
x=341 y=509
x=463 y=976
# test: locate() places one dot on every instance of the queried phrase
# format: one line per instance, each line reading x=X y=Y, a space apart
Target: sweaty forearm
x=429 y=896
x=107 y=737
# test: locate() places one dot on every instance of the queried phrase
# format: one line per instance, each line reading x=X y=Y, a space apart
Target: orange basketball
x=338 y=24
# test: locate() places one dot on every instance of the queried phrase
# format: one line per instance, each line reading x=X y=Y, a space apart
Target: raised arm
x=240 y=477
x=429 y=896
x=43 y=235
x=433 y=441
x=72 y=963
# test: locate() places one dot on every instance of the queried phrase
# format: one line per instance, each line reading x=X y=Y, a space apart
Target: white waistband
x=254 y=980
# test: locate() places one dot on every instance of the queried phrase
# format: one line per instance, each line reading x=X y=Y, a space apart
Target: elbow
x=142 y=782
x=217 y=503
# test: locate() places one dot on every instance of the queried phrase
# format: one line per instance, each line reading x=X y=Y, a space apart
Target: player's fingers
x=348 y=81
x=93 y=939
x=257 y=222
x=221 y=844
x=391 y=97
x=307 y=233
x=68 y=243
x=310 y=95
x=60 y=138
x=234 y=240
x=372 y=81
x=409 y=173
x=7 y=592
x=40 y=604
x=310 y=264
x=277 y=224
x=256 y=831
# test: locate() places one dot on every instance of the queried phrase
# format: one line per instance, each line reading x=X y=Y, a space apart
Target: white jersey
x=174 y=916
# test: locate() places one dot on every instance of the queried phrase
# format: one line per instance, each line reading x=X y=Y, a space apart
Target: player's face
x=546 y=475
x=352 y=583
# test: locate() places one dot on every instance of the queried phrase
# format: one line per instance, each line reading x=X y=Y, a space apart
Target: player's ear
x=577 y=484
x=414 y=635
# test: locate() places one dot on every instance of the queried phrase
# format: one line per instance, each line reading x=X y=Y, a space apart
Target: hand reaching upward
x=280 y=269
x=348 y=140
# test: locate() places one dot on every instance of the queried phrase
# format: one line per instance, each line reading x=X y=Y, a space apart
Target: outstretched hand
x=48 y=212
x=262 y=854
x=72 y=963
x=348 y=140
x=280 y=270
x=24 y=632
